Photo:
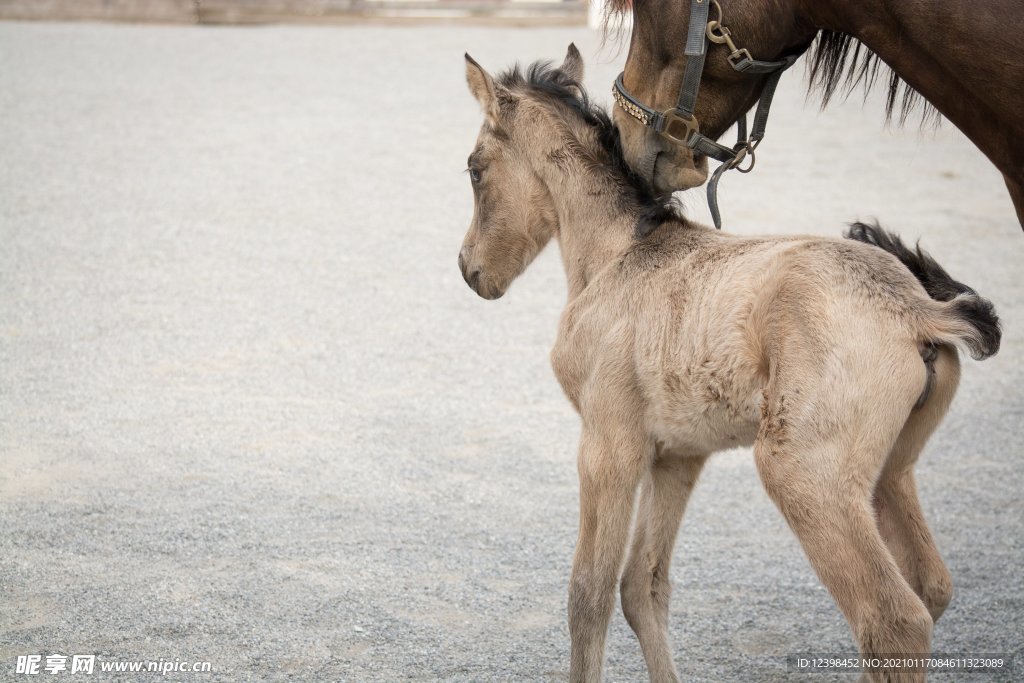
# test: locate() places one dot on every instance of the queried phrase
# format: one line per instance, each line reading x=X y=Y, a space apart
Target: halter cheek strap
x=681 y=126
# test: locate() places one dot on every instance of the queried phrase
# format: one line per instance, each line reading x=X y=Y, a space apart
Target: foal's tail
x=969 y=319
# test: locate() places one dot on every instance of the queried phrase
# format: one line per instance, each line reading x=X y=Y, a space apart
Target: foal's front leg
x=646 y=587
x=611 y=461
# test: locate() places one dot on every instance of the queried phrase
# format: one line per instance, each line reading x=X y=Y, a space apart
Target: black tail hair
x=973 y=309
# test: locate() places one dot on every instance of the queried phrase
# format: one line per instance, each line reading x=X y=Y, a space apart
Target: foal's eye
x=474 y=176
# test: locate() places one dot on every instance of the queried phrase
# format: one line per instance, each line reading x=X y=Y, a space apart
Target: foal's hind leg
x=820 y=471
x=900 y=518
x=645 y=586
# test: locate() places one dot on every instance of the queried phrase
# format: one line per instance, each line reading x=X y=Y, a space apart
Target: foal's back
x=697 y=321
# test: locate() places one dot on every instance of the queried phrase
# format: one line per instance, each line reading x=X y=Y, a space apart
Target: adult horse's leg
x=900 y=518
x=1016 y=188
x=820 y=471
x=645 y=586
x=611 y=461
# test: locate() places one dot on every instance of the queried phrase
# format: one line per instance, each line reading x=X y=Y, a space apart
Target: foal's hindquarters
x=838 y=440
x=815 y=351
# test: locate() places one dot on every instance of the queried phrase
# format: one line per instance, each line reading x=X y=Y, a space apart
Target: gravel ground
x=250 y=414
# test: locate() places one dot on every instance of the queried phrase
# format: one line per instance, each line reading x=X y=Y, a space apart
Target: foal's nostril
x=472 y=279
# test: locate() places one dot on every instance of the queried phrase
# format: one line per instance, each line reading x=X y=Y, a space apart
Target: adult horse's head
x=513 y=215
x=768 y=29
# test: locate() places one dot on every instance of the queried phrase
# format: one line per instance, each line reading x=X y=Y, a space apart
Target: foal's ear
x=573 y=64
x=482 y=86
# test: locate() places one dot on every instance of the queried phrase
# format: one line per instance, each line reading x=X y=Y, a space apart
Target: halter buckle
x=679 y=127
x=738 y=57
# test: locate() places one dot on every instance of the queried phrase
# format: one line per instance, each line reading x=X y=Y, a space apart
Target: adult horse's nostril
x=462 y=264
x=474 y=280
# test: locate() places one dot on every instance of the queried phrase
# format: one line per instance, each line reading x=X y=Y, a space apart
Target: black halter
x=681 y=126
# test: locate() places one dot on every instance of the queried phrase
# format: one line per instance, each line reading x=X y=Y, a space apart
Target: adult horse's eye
x=474 y=176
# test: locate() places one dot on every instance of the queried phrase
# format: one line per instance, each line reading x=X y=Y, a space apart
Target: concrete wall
x=176 y=11
x=305 y=11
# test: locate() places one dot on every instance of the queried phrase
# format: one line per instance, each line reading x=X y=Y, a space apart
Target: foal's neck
x=595 y=224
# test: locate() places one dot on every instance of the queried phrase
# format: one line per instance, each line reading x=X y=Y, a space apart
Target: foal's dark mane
x=838 y=61
x=550 y=83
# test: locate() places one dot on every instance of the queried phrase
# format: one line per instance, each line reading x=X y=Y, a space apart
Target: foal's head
x=513 y=211
x=540 y=135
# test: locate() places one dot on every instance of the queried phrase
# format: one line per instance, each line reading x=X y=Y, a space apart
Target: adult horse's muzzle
x=679 y=128
x=672 y=168
x=660 y=160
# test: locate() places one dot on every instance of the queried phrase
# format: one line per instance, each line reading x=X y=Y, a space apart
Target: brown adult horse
x=965 y=58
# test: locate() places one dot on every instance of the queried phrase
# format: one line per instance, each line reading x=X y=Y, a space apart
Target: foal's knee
x=645 y=592
x=635 y=592
x=590 y=599
x=631 y=591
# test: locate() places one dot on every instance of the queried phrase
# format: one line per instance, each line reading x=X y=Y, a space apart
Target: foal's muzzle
x=472 y=276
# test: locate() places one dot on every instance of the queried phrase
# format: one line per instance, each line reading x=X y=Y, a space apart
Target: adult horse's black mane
x=837 y=62
x=838 y=59
x=542 y=78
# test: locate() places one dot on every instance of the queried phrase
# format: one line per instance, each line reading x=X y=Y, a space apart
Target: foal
x=828 y=355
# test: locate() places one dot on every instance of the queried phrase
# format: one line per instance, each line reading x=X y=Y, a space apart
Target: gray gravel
x=250 y=413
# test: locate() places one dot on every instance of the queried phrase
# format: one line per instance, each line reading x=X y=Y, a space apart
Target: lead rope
x=740 y=60
x=746 y=145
